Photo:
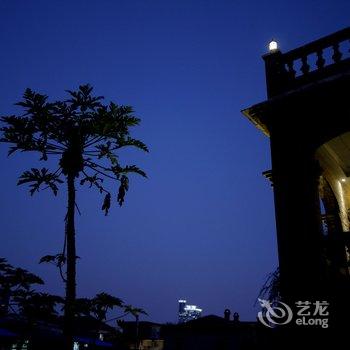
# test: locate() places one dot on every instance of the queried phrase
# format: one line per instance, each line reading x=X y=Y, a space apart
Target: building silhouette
x=307 y=118
x=205 y=333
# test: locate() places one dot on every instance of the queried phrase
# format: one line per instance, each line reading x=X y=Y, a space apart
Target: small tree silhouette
x=85 y=136
x=14 y=282
x=136 y=312
x=271 y=289
x=102 y=303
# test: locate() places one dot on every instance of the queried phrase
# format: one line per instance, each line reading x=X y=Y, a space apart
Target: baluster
x=305 y=68
x=320 y=60
x=291 y=70
x=337 y=54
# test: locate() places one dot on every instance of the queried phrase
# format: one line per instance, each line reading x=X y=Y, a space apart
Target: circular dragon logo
x=272 y=315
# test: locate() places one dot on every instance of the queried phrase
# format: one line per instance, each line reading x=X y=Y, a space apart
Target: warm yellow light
x=273 y=46
x=343 y=180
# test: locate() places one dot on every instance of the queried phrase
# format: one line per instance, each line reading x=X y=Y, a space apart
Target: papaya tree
x=82 y=136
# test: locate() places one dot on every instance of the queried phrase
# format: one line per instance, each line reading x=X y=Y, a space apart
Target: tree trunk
x=71 y=268
x=137 y=332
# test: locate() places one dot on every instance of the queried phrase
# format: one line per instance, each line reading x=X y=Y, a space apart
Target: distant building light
x=188 y=312
x=190 y=307
x=343 y=180
x=273 y=46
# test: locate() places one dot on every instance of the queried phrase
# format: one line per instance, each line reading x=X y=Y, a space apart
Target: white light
x=182 y=301
x=273 y=46
x=343 y=180
x=192 y=308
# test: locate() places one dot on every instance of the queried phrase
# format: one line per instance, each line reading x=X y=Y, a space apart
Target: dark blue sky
x=202 y=227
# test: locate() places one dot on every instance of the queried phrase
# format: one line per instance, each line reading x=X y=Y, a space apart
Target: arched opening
x=334 y=189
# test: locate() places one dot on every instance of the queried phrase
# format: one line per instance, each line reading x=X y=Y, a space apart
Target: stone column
x=295 y=175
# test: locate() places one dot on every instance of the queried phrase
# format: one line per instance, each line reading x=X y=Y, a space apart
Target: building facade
x=307 y=118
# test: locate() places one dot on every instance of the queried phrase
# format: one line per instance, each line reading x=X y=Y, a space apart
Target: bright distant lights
x=343 y=180
x=192 y=308
x=273 y=46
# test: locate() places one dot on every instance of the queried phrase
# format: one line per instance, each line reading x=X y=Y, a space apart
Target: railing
x=319 y=59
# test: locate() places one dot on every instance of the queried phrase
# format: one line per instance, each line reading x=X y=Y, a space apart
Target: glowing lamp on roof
x=273 y=46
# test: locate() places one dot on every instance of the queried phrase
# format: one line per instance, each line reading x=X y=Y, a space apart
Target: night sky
x=202 y=226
